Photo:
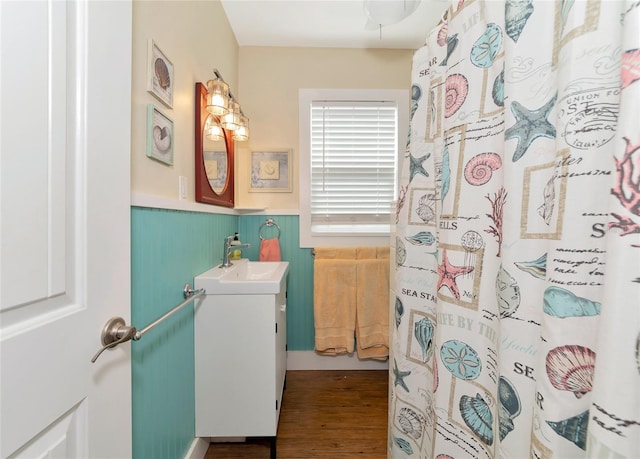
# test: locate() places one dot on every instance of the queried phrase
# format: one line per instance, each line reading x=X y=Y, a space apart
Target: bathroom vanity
x=240 y=350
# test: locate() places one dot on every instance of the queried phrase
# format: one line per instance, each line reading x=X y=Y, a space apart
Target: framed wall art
x=159 y=136
x=215 y=165
x=271 y=171
x=159 y=75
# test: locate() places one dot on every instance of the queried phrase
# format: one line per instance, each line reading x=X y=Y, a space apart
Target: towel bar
x=117 y=332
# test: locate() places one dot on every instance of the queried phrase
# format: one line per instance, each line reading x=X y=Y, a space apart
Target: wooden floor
x=325 y=414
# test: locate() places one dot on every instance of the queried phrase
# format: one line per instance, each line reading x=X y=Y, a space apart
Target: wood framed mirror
x=213 y=158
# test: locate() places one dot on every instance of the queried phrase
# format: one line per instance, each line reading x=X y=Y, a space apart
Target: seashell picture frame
x=159 y=136
x=271 y=171
x=159 y=74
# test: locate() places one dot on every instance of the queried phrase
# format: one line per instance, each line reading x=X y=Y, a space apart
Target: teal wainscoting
x=300 y=330
x=168 y=249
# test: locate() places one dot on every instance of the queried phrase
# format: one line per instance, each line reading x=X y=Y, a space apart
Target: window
x=349 y=144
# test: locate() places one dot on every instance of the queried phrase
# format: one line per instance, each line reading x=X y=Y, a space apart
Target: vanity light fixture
x=242 y=132
x=217 y=96
x=231 y=120
x=222 y=104
x=212 y=130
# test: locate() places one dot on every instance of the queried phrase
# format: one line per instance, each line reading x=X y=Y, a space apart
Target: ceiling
x=329 y=23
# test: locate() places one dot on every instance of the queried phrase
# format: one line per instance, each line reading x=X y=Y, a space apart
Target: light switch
x=182 y=187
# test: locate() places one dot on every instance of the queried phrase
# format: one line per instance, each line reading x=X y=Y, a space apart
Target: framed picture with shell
x=159 y=75
x=159 y=136
x=271 y=171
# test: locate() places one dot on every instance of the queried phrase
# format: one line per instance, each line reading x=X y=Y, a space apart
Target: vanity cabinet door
x=240 y=364
x=281 y=346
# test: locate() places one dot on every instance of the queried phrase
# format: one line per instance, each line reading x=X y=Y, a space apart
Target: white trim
x=305 y=98
x=159 y=202
x=247 y=210
x=310 y=360
x=198 y=448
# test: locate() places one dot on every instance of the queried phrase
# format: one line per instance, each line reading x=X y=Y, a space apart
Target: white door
x=65 y=104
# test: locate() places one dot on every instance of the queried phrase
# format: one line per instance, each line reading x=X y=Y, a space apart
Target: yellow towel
x=366 y=253
x=335 y=253
x=334 y=304
x=382 y=252
x=372 y=305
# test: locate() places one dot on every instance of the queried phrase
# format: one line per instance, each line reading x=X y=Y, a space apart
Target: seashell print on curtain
x=517 y=308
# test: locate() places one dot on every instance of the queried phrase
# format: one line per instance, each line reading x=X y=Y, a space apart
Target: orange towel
x=270 y=250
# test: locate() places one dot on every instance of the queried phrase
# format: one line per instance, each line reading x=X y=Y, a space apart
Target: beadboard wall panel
x=168 y=249
x=300 y=329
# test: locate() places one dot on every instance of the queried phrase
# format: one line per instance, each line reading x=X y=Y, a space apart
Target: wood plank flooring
x=325 y=414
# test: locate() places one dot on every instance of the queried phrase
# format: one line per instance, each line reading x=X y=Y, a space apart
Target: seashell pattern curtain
x=517 y=309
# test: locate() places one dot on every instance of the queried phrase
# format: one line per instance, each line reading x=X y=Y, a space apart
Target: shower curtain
x=517 y=288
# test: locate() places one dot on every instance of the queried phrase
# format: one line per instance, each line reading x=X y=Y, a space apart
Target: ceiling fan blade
x=370 y=25
x=386 y=12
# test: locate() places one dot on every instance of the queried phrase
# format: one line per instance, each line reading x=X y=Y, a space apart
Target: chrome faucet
x=228 y=248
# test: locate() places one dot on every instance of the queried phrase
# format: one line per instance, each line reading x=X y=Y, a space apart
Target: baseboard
x=198 y=448
x=310 y=360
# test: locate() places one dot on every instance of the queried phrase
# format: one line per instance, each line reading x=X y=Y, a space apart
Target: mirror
x=214 y=155
x=213 y=158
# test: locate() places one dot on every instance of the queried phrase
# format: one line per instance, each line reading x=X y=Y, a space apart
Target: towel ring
x=268 y=222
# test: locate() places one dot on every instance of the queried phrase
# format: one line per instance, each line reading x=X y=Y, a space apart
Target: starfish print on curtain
x=517 y=330
x=530 y=124
x=447 y=274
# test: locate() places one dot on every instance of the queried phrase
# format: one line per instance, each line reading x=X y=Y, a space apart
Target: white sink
x=244 y=277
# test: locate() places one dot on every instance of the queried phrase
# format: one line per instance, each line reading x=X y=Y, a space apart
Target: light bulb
x=242 y=132
x=217 y=97
x=231 y=120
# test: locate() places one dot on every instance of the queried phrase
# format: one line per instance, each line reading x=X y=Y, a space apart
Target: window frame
x=305 y=99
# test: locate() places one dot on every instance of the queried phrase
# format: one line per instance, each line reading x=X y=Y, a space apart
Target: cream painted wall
x=269 y=79
x=196 y=37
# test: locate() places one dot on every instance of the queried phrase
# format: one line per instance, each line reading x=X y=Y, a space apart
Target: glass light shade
x=242 y=133
x=217 y=97
x=212 y=130
x=231 y=120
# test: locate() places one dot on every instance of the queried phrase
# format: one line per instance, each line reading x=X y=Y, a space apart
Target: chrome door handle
x=114 y=332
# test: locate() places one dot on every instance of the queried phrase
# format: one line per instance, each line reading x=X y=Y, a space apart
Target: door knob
x=114 y=332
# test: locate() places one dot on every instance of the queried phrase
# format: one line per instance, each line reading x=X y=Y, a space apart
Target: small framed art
x=159 y=75
x=159 y=136
x=215 y=165
x=271 y=171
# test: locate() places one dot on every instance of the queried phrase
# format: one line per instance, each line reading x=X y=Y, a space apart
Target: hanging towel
x=335 y=253
x=334 y=301
x=372 y=303
x=270 y=250
x=366 y=253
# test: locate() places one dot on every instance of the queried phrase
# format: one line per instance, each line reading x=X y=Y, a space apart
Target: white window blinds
x=353 y=164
